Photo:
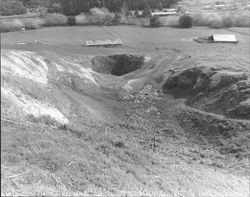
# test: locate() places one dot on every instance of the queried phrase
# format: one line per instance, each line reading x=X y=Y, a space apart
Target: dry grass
x=71 y=158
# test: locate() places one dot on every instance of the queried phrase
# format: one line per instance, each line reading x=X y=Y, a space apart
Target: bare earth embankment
x=161 y=115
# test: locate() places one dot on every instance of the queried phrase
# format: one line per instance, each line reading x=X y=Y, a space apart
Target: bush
x=185 y=21
x=217 y=21
x=242 y=21
x=172 y=21
x=228 y=21
x=81 y=19
x=32 y=23
x=101 y=16
x=117 y=19
x=96 y=20
x=71 y=20
x=36 y=3
x=11 y=7
x=18 y=24
x=54 y=19
x=7 y=26
x=217 y=24
x=147 y=11
x=155 y=21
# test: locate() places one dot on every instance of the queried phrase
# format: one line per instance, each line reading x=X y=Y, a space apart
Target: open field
x=165 y=116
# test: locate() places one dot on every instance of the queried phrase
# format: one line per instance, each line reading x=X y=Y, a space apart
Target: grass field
x=126 y=135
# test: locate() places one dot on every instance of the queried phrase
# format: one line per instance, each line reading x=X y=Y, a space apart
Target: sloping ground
x=71 y=128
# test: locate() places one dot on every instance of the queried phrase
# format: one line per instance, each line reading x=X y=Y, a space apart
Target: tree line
x=75 y=7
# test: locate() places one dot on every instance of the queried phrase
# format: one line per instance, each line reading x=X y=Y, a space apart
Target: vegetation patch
x=216 y=20
x=11 y=7
x=54 y=19
x=185 y=21
x=155 y=21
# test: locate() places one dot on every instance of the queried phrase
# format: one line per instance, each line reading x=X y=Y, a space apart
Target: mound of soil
x=117 y=65
x=211 y=89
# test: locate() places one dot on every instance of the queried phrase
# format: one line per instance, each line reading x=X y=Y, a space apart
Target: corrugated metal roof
x=103 y=42
x=224 y=38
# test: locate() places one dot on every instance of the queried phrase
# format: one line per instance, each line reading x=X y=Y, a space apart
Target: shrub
x=54 y=9
x=36 y=3
x=54 y=19
x=202 y=19
x=217 y=22
x=96 y=16
x=7 y=26
x=171 y=21
x=81 y=19
x=185 y=21
x=117 y=19
x=11 y=7
x=18 y=24
x=228 y=21
x=155 y=21
x=242 y=21
x=137 y=13
x=101 y=16
x=219 y=2
x=144 y=22
x=32 y=23
x=127 y=20
x=71 y=20
x=40 y=11
x=146 y=11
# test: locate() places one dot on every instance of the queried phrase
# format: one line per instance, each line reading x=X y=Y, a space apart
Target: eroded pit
x=117 y=65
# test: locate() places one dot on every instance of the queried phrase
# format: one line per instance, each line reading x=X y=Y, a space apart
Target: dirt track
x=126 y=135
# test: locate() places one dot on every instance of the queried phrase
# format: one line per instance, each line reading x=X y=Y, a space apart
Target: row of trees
x=74 y=7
